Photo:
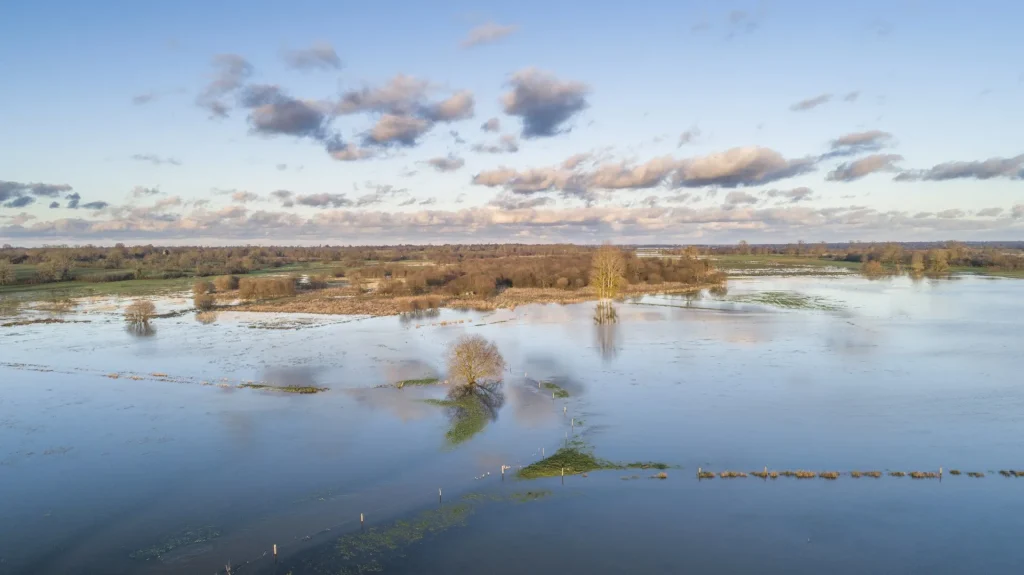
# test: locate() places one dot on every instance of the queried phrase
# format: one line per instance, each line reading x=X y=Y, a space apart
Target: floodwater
x=129 y=453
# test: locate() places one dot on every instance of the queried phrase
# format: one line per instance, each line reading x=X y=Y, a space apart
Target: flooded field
x=176 y=450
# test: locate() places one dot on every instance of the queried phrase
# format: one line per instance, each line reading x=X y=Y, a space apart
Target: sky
x=675 y=122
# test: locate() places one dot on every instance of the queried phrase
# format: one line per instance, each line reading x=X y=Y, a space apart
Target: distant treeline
x=935 y=257
x=401 y=270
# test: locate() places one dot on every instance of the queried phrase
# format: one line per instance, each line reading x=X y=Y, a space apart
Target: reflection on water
x=606 y=329
x=410 y=316
x=140 y=329
x=470 y=408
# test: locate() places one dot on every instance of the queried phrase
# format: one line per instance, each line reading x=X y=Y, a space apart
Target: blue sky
x=104 y=98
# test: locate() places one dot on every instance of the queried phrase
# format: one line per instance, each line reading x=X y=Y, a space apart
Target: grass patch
x=954 y=472
x=975 y=474
x=575 y=459
x=705 y=475
x=469 y=417
x=924 y=475
x=646 y=465
x=556 y=390
x=300 y=389
x=897 y=474
x=788 y=300
x=423 y=381
x=831 y=475
x=366 y=550
x=185 y=538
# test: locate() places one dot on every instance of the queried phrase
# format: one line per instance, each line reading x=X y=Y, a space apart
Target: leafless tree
x=608 y=269
x=472 y=361
x=139 y=312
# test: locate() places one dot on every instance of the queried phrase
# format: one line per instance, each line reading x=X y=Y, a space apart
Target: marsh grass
x=661 y=475
x=954 y=472
x=705 y=475
x=831 y=475
x=300 y=389
x=924 y=475
x=422 y=381
x=731 y=474
x=897 y=474
x=788 y=300
x=184 y=538
x=975 y=474
x=556 y=391
x=576 y=458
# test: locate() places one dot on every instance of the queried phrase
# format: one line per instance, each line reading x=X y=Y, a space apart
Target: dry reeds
x=265 y=288
x=731 y=474
x=202 y=287
x=975 y=474
x=924 y=475
x=897 y=474
x=226 y=283
x=203 y=301
x=705 y=475
x=829 y=475
x=139 y=312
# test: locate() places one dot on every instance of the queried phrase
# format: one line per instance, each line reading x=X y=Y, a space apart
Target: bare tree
x=139 y=312
x=472 y=360
x=607 y=273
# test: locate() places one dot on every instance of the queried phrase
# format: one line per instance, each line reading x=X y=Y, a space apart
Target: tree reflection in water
x=606 y=329
x=470 y=409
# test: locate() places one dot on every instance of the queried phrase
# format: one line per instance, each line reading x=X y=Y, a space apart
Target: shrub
x=226 y=283
x=265 y=288
x=316 y=282
x=472 y=359
x=139 y=312
x=202 y=288
x=203 y=301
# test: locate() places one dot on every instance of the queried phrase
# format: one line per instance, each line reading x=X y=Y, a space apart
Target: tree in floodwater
x=607 y=273
x=474 y=361
x=6 y=273
x=137 y=314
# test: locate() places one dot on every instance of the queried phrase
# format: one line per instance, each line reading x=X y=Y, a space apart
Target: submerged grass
x=301 y=389
x=186 y=537
x=422 y=381
x=469 y=417
x=556 y=390
x=575 y=458
x=788 y=300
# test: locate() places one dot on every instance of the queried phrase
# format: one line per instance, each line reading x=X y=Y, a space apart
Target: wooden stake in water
x=563 y=410
x=438 y=494
x=360 y=520
x=698 y=474
x=542 y=452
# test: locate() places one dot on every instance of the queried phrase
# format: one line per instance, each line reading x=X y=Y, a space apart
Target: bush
x=203 y=301
x=202 y=288
x=316 y=282
x=226 y=283
x=139 y=312
x=265 y=288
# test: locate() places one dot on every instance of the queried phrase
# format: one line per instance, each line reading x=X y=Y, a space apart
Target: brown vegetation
x=139 y=312
x=265 y=288
x=226 y=283
x=203 y=301
x=472 y=359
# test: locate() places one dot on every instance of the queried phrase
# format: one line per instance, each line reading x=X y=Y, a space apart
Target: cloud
x=506 y=144
x=492 y=125
x=319 y=56
x=156 y=160
x=688 y=136
x=851 y=96
x=142 y=192
x=621 y=175
x=73 y=200
x=457 y=107
x=230 y=72
x=506 y=202
x=487 y=33
x=243 y=197
x=810 y=103
x=529 y=181
x=348 y=152
x=446 y=164
x=736 y=198
x=574 y=161
x=380 y=195
x=544 y=102
x=400 y=95
x=20 y=194
x=793 y=196
x=989 y=212
x=744 y=166
x=323 y=200
x=1018 y=211
x=1011 y=168
x=401 y=130
x=54 y=205
x=272 y=113
x=951 y=213
x=140 y=99
x=741 y=22
x=856 y=170
x=859 y=142
x=98 y=205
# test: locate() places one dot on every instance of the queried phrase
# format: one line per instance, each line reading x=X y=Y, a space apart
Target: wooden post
x=563 y=410
x=275 y=552
x=438 y=494
x=542 y=452
x=360 y=520
x=698 y=474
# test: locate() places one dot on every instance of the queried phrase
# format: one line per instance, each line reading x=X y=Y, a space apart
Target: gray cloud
x=793 y=196
x=856 y=170
x=989 y=212
x=98 y=205
x=736 y=198
x=244 y=197
x=1018 y=211
x=492 y=125
x=457 y=107
x=1011 y=168
x=142 y=192
x=487 y=33
x=446 y=164
x=396 y=130
x=73 y=200
x=745 y=166
x=272 y=113
x=951 y=213
x=506 y=202
x=380 y=195
x=506 y=144
x=400 y=95
x=156 y=160
x=688 y=136
x=348 y=152
x=859 y=142
x=19 y=194
x=810 y=103
x=544 y=102
x=319 y=56
x=323 y=200
x=19 y=202
x=140 y=99
x=851 y=96
x=230 y=72
x=613 y=176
